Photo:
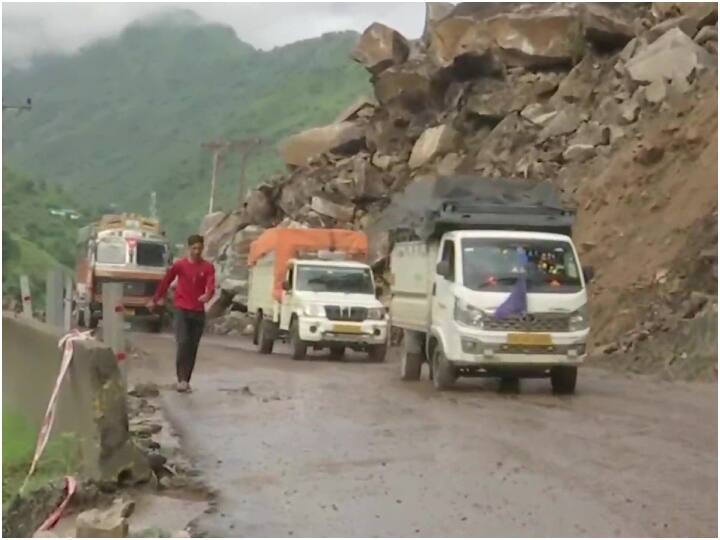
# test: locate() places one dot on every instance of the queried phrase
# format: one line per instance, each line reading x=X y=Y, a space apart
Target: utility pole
x=244 y=148
x=220 y=148
x=153 y=205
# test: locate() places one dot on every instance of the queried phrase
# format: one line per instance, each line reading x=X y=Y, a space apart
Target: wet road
x=321 y=448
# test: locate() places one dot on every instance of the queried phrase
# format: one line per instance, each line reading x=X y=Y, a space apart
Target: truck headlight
x=468 y=314
x=580 y=319
x=376 y=314
x=314 y=310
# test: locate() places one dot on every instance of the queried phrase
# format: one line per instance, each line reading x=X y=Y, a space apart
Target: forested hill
x=126 y=116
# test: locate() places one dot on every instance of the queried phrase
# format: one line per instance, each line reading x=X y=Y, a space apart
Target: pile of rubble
x=540 y=91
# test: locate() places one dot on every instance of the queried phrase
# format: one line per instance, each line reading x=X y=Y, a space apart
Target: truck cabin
x=327 y=276
x=494 y=262
x=131 y=251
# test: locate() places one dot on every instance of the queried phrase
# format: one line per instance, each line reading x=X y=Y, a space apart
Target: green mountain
x=40 y=223
x=127 y=116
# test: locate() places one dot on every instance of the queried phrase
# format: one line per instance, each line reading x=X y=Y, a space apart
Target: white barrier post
x=54 y=298
x=113 y=324
x=26 y=298
x=67 y=314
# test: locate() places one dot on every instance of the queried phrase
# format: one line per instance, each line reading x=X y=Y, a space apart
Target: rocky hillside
x=614 y=103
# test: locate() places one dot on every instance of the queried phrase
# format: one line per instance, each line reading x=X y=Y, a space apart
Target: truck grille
x=338 y=313
x=532 y=322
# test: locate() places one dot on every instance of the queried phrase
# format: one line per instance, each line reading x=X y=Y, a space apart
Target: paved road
x=321 y=448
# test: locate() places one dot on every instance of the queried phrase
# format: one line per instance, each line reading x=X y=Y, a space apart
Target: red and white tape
x=66 y=344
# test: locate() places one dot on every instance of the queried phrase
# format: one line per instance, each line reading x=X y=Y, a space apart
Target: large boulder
x=674 y=56
x=258 y=208
x=565 y=122
x=686 y=23
x=433 y=142
x=325 y=207
x=407 y=88
x=604 y=29
x=434 y=13
x=446 y=37
x=379 y=48
x=343 y=137
x=530 y=40
x=222 y=232
x=363 y=107
x=538 y=40
x=210 y=221
x=704 y=12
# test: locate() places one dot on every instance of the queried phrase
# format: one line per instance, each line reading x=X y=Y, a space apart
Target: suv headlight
x=580 y=319
x=468 y=314
x=376 y=314
x=314 y=310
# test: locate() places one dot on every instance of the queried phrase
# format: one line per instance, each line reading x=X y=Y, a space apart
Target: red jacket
x=193 y=280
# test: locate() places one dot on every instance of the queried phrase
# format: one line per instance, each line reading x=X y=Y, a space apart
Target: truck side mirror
x=286 y=285
x=588 y=273
x=378 y=291
x=443 y=269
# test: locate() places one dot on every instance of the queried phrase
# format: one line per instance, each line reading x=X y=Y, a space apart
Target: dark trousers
x=189 y=326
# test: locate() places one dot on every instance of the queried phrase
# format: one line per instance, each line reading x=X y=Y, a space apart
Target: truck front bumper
x=477 y=348
x=370 y=332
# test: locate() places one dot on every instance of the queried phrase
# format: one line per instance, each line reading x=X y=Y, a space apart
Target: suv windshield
x=151 y=254
x=495 y=265
x=111 y=251
x=334 y=279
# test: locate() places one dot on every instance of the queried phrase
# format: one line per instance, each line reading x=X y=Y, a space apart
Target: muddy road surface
x=327 y=448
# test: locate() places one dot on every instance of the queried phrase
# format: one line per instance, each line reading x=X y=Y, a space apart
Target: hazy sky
x=32 y=28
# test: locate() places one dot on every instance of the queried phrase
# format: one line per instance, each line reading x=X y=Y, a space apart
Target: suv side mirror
x=378 y=291
x=588 y=274
x=443 y=269
x=286 y=285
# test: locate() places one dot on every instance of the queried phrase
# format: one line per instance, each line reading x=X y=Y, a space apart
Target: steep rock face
x=576 y=95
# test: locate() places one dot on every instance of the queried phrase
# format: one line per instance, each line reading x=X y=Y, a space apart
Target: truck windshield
x=334 y=279
x=111 y=251
x=151 y=254
x=495 y=265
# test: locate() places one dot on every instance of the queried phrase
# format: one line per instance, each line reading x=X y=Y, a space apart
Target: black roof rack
x=430 y=208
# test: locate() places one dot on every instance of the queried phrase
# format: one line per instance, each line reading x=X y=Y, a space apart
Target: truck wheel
x=93 y=321
x=563 y=379
x=410 y=362
x=337 y=352
x=443 y=373
x=376 y=353
x=297 y=345
x=266 y=337
x=79 y=318
x=256 y=329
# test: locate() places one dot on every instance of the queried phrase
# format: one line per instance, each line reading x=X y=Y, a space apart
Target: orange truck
x=314 y=289
x=125 y=248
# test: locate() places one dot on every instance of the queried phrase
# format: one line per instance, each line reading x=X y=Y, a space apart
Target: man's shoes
x=182 y=386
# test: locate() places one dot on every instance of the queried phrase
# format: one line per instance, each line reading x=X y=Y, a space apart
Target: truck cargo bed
x=412 y=265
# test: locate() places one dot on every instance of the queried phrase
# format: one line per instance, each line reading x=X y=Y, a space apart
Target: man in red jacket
x=195 y=286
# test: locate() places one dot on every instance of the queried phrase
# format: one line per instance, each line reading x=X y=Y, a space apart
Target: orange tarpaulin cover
x=286 y=243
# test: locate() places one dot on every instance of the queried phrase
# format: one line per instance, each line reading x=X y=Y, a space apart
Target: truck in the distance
x=486 y=281
x=125 y=248
x=314 y=288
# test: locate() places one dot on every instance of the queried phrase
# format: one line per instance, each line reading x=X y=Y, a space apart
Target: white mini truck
x=492 y=290
x=305 y=287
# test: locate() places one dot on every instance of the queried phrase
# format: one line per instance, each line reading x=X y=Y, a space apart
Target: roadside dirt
x=644 y=225
x=321 y=448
